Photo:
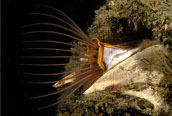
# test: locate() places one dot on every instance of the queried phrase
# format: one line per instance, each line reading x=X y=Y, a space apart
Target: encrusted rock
x=141 y=84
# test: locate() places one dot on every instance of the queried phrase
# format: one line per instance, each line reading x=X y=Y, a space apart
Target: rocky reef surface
x=142 y=84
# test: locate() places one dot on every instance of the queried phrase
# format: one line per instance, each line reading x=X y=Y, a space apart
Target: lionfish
x=95 y=57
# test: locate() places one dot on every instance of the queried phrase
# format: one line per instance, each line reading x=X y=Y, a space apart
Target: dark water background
x=15 y=14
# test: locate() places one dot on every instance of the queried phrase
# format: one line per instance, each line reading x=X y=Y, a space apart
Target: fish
x=93 y=60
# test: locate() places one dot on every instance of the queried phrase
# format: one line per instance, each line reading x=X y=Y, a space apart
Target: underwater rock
x=142 y=84
x=121 y=21
x=137 y=86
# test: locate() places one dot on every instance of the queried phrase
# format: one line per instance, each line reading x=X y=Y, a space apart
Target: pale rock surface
x=139 y=76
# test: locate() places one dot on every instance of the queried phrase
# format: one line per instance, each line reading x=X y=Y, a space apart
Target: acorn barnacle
x=116 y=33
x=94 y=57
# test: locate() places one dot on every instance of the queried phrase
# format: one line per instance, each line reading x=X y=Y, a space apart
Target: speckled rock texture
x=142 y=84
x=125 y=20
